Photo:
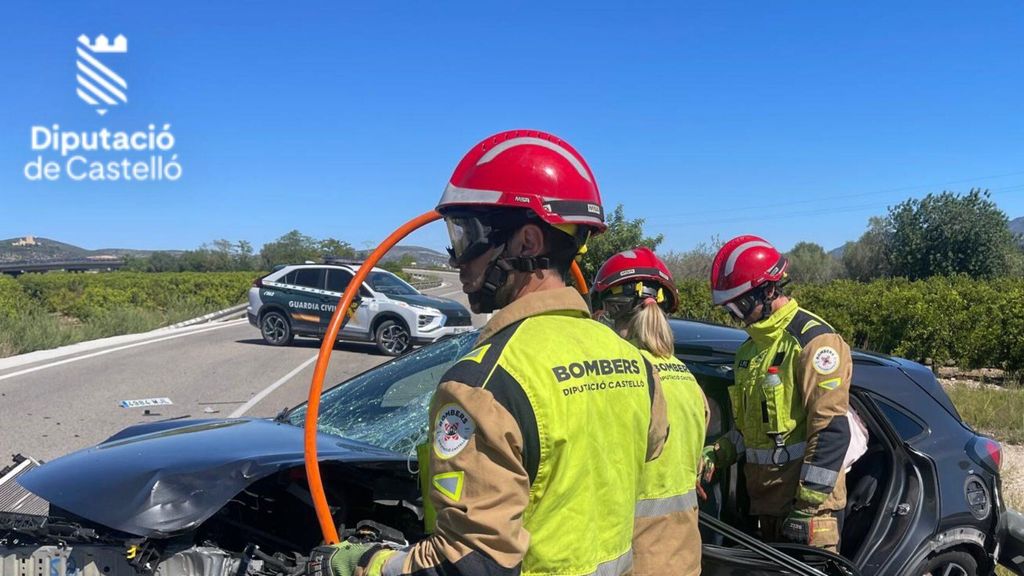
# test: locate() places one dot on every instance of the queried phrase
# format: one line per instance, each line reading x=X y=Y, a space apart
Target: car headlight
x=424 y=320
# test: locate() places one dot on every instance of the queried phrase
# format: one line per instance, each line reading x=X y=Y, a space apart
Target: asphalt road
x=54 y=402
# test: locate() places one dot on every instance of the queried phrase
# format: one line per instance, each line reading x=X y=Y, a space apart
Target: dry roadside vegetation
x=42 y=311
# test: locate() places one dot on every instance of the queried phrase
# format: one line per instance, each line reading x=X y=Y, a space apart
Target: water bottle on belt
x=771 y=391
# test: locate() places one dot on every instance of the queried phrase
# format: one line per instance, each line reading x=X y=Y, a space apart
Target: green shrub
x=39 y=311
x=84 y=296
x=973 y=323
x=13 y=300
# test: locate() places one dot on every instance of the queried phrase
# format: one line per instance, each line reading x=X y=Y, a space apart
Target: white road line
x=118 y=349
x=266 y=391
x=459 y=291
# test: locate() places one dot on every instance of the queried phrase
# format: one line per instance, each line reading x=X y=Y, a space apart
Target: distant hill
x=40 y=249
x=420 y=255
x=1017 y=225
x=837 y=253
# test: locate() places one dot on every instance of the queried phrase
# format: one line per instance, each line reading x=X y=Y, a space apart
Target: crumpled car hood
x=159 y=479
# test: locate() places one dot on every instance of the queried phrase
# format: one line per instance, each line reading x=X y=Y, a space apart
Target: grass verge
x=38 y=330
x=997 y=412
x=1000 y=414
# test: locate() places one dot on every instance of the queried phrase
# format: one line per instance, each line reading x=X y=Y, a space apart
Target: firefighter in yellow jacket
x=632 y=292
x=539 y=435
x=789 y=400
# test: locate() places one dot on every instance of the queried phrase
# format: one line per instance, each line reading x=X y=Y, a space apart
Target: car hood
x=159 y=479
x=443 y=304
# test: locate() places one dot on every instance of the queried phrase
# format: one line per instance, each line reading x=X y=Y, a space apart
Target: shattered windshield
x=389 y=284
x=387 y=405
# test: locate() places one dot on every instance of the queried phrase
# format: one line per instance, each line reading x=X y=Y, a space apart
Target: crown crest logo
x=102 y=45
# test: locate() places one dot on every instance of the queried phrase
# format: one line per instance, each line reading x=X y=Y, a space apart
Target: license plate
x=146 y=402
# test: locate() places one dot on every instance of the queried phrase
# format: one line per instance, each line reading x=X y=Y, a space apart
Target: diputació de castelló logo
x=68 y=154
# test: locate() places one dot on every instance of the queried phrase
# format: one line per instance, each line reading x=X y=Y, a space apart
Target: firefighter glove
x=346 y=559
x=709 y=462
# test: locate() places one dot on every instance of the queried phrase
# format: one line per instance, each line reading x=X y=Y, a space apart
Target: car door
x=306 y=299
x=358 y=326
x=741 y=553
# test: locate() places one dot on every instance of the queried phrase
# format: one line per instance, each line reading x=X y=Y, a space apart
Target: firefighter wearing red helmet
x=633 y=292
x=790 y=398
x=520 y=477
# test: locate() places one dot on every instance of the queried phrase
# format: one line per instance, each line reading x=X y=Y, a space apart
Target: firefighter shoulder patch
x=452 y=430
x=826 y=360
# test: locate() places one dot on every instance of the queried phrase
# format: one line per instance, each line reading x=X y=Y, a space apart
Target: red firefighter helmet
x=527 y=169
x=639 y=265
x=743 y=264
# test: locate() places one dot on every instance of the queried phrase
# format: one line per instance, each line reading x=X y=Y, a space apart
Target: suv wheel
x=392 y=338
x=276 y=329
x=951 y=563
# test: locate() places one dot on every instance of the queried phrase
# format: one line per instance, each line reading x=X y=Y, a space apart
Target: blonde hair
x=649 y=328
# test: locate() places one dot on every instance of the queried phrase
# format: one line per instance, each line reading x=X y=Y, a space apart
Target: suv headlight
x=424 y=320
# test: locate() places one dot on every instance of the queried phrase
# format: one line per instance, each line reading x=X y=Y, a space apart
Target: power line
x=784 y=213
x=819 y=198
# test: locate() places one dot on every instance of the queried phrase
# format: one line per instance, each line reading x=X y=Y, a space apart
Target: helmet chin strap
x=496 y=276
x=766 y=302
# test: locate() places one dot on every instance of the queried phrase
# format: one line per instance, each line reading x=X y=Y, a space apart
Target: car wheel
x=276 y=329
x=951 y=563
x=392 y=338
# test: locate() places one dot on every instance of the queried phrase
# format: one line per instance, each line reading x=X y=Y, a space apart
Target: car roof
x=346 y=267
x=715 y=343
x=705 y=337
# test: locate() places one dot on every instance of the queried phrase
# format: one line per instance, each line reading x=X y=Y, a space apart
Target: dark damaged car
x=230 y=497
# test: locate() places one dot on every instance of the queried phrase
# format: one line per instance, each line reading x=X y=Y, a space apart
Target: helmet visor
x=469 y=236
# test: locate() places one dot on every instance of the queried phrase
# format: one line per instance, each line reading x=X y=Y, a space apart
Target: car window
x=389 y=284
x=387 y=405
x=905 y=425
x=337 y=280
x=288 y=278
x=309 y=278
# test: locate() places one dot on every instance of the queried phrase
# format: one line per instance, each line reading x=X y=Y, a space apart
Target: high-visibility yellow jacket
x=794 y=434
x=539 y=437
x=667 y=533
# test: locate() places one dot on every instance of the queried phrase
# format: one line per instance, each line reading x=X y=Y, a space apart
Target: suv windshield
x=389 y=284
x=387 y=406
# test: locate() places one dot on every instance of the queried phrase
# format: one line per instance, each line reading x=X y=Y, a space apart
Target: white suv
x=299 y=300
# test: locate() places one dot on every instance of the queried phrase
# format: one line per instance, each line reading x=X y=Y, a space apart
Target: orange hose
x=577 y=275
x=316 y=486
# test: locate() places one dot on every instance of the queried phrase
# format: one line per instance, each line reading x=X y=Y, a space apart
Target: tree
x=809 y=263
x=693 y=264
x=868 y=257
x=292 y=248
x=163 y=262
x=945 y=234
x=336 y=248
x=622 y=234
x=244 y=259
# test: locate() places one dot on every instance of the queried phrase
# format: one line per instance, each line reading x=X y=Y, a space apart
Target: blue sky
x=794 y=120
